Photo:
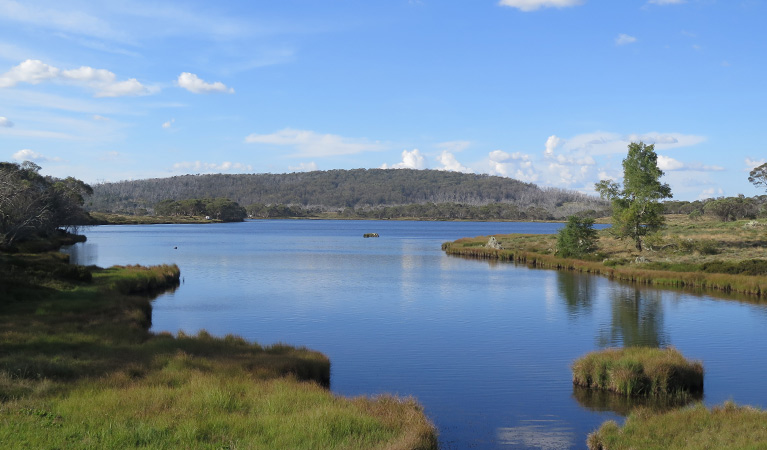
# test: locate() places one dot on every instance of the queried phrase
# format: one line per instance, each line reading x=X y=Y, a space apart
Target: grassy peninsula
x=80 y=369
x=701 y=253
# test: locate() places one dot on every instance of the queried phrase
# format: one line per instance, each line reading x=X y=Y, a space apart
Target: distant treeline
x=725 y=209
x=216 y=208
x=355 y=193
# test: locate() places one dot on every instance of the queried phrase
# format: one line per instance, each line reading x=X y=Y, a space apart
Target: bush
x=577 y=238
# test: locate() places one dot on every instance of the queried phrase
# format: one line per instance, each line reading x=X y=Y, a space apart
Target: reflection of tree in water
x=637 y=319
x=576 y=289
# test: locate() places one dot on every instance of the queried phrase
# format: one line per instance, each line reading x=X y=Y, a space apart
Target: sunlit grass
x=725 y=427
x=639 y=371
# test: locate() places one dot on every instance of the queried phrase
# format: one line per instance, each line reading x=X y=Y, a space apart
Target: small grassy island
x=639 y=371
x=79 y=369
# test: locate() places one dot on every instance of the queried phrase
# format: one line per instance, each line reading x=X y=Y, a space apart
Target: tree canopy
x=637 y=210
x=758 y=176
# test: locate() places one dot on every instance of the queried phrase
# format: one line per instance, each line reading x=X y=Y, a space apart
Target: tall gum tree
x=637 y=210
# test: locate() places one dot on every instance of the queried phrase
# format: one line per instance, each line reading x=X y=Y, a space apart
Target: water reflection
x=637 y=318
x=539 y=434
x=599 y=401
x=576 y=290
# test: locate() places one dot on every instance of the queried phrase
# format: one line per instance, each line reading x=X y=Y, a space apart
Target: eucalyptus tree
x=637 y=207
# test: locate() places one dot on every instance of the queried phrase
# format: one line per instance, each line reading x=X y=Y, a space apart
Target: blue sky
x=546 y=91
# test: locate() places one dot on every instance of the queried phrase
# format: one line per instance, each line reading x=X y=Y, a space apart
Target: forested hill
x=339 y=189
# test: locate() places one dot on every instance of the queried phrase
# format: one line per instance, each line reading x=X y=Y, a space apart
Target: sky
x=543 y=91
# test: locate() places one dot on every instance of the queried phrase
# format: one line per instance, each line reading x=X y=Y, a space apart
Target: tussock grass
x=728 y=426
x=639 y=371
x=738 y=265
x=79 y=369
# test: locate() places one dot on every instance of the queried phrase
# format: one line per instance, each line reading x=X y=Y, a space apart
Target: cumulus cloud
x=31 y=155
x=412 y=159
x=198 y=166
x=104 y=82
x=309 y=143
x=449 y=163
x=5 y=122
x=193 y=83
x=710 y=193
x=304 y=167
x=624 y=39
x=754 y=163
x=551 y=144
x=516 y=165
x=666 y=163
x=168 y=124
x=532 y=5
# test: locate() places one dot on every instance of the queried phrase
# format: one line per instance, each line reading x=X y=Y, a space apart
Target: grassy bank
x=729 y=426
x=100 y=218
x=79 y=369
x=639 y=371
x=723 y=256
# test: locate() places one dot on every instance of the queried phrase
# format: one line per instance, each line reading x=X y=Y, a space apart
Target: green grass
x=639 y=371
x=724 y=427
x=78 y=369
x=736 y=266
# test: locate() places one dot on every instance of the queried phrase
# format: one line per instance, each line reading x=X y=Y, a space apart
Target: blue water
x=484 y=346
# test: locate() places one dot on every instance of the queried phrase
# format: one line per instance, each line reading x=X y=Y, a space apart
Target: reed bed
x=639 y=371
x=728 y=426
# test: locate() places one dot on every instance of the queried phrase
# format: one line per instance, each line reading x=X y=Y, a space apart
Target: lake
x=484 y=346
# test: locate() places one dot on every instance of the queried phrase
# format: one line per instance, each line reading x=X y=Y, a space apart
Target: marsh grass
x=728 y=426
x=80 y=370
x=737 y=266
x=639 y=371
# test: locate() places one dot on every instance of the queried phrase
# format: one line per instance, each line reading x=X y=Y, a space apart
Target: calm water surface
x=485 y=347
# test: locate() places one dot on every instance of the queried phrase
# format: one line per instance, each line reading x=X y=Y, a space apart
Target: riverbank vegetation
x=729 y=426
x=696 y=253
x=639 y=371
x=79 y=368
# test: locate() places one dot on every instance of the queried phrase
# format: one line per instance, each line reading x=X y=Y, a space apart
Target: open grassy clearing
x=729 y=426
x=725 y=256
x=79 y=369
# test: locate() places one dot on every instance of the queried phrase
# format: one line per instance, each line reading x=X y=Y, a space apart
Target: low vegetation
x=728 y=426
x=79 y=369
x=701 y=254
x=639 y=371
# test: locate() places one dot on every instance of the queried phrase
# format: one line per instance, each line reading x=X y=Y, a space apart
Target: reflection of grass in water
x=728 y=426
x=639 y=371
x=599 y=400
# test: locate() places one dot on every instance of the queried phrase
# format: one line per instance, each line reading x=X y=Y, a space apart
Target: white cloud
x=754 y=163
x=624 y=39
x=516 y=165
x=710 y=193
x=309 y=143
x=551 y=144
x=34 y=71
x=532 y=5
x=412 y=159
x=666 y=2
x=65 y=20
x=666 y=163
x=168 y=124
x=5 y=122
x=31 y=155
x=199 y=166
x=100 y=118
x=304 y=167
x=451 y=164
x=193 y=83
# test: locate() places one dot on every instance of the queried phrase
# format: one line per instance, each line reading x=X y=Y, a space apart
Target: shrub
x=577 y=238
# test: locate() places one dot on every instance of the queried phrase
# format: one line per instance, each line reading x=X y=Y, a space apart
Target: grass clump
x=729 y=426
x=639 y=371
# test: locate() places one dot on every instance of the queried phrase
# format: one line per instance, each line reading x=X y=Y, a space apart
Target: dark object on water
x=367 y=235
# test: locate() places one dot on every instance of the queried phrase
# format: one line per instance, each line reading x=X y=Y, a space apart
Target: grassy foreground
x=639 y=371
x=703 y=254
x=78 y=369
x=728 y=426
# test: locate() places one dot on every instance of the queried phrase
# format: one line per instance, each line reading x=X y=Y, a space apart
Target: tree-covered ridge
x=336 y=190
